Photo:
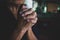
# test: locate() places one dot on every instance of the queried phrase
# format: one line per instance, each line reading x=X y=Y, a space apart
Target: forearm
x=19 y=32
x=31 y=35
x=18 y=35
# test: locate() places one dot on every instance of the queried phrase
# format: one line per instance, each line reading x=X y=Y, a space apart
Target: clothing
x=8 y=24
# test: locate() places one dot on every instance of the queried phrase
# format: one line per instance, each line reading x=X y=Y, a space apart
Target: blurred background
x=49 y=19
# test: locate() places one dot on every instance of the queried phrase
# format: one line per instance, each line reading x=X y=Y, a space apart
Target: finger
x=22 y=12
x=33 y=21
x=28 y=12
x=31 y=16
x=24 y=8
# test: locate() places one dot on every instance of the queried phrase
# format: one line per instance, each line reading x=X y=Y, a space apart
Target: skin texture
x=29 y=18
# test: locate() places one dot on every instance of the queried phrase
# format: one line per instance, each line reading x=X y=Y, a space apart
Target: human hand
x=29 y=16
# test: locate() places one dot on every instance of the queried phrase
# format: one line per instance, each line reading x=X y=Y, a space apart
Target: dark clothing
x=8 y=23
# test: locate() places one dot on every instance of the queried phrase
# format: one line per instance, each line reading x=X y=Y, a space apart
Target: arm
x=31 y=35
x=19 y=32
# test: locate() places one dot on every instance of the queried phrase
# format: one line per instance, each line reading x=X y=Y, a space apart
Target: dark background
x=49 y=22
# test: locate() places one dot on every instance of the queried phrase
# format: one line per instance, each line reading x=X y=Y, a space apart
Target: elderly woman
x=15 y=26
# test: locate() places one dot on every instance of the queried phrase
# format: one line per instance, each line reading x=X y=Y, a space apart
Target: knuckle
x=35 y=14
x=34 y=21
